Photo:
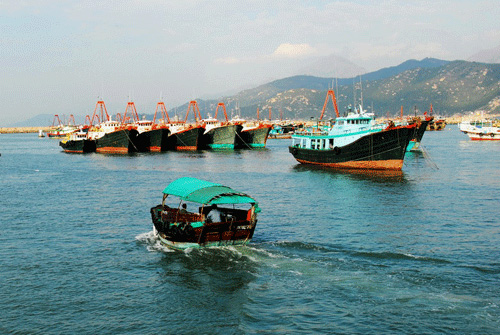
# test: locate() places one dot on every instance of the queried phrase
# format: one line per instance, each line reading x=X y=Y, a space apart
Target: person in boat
x=183 y=209
x=214 y=215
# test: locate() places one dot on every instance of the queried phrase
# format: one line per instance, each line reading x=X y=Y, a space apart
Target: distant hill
x=487 y=56
x=452 y=87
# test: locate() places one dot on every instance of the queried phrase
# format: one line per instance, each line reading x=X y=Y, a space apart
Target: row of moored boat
x=129 y=134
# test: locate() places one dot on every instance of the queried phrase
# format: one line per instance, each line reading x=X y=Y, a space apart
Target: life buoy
x=337 y=150
x=492 y=135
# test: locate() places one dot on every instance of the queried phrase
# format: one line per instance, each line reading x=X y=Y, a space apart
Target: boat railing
x=170 y=214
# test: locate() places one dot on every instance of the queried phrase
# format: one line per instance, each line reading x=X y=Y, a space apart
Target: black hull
x=223 y=137
x=184 y=140
x=421 y=129
x=120 y=141
x=253 y=138
x=78 y=146
x=155 y=140
x=383 y=150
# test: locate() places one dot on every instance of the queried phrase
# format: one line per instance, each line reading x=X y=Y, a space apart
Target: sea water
x=415 y=252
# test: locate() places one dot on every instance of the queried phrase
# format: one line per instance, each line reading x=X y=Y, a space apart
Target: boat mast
x=330 y=93
x=196 y=111
x=223 y=108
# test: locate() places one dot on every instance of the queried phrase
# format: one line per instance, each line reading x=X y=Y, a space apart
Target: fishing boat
x=422 y=124
x=59 y=130
x=252 y=134
x=481 y=130
x=221 y=215
x=219 y=134
x=184 y=136
x=438 y=123
x=158 y=135
x=354 y=141
x=78 y=142
x=414 y=144
x=112 y=136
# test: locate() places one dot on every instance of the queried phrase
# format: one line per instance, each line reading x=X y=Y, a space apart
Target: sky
x=60 y=57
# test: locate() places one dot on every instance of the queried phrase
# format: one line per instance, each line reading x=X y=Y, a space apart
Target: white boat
x=481 y=130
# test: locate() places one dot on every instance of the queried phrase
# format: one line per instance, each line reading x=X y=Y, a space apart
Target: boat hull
x=253 y=138
x=414 y=144
x=382 y=150
x=78 y=146
x=121 y=141
x=184 y=140
x=185 y=233
x=484 y=136
x=155 y=140
x=223 y=137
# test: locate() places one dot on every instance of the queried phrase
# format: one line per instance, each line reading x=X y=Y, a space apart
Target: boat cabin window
x=340 y=122
x=331 y=143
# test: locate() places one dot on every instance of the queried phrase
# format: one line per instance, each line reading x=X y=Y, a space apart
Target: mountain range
x=452 y=87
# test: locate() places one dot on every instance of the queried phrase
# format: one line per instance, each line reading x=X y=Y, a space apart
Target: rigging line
x=428 y=157
x=242 y=140
x=130 y=140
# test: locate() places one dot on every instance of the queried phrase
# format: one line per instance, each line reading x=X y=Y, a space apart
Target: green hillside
x=455 y=87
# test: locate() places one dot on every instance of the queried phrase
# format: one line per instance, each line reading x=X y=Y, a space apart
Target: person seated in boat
x=183 y=209
x=214 y=215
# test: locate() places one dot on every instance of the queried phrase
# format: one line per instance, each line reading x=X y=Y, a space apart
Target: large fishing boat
x=158 y=135
x=422 y=124
x=78 y=142
x=481 y=130
x=221 y=215
x=253 y=134
x=217 y=134
x=354 y=142
x=112 y=136
x=59 y=130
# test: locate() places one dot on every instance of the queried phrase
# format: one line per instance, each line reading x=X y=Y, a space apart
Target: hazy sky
x=57 y=57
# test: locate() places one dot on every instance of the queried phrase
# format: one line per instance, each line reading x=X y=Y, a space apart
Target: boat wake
x=152 y=242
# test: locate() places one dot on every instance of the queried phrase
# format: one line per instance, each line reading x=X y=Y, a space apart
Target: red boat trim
x=74 y=151
x=186 y=148
x=391 y=164
x=155 y=149
x=113 y=150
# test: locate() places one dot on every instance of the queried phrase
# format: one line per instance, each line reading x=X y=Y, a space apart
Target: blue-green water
x=333 y=253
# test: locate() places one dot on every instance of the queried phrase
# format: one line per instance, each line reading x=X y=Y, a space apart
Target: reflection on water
x=373 y=175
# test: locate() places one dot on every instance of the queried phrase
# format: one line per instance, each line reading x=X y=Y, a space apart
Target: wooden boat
x=354 y=142
x=181 y=229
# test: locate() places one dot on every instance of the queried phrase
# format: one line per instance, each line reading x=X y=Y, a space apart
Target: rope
x=130 y=140
x=428 y=157
x=242 y=140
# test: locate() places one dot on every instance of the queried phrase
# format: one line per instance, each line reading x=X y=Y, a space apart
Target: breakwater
x=18 y=130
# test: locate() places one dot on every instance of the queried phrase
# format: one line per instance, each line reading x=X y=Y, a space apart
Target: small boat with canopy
x=199 y=213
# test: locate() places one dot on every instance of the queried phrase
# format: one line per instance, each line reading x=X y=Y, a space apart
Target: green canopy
x=205 y=192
